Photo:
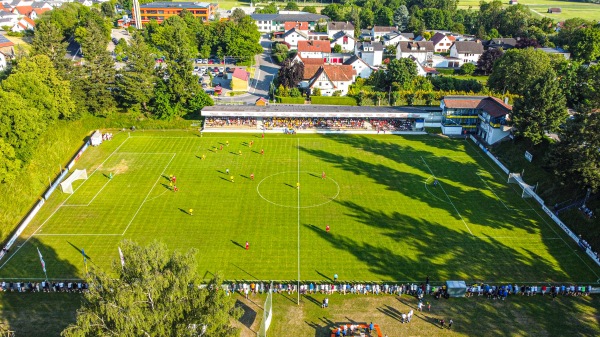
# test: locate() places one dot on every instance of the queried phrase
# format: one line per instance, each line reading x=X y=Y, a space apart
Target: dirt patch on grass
x=119 y=168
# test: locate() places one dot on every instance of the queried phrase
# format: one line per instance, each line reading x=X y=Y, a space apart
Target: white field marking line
x=148 y=194
x=499 y=199
x=59 y=206
x=298 y=147
x=158 y=196
x=537 y=213
x=85 y=205
x=311 y=206
x=511 y=237
x=451 y=203
x=428 y=190
x=158 y=153
x=78 y=234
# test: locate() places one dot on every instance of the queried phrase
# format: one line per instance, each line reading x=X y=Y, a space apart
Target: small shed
x=218 y=90
x=261 y=101
x=554 y=10
x=513 y=2
x=96 y=138
x=456 y=288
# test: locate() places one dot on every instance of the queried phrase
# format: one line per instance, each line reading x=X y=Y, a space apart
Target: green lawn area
x=479 y=78
x=570 y=9
x=388 y=221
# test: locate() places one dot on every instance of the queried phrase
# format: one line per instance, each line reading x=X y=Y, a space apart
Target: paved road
x=266 y=70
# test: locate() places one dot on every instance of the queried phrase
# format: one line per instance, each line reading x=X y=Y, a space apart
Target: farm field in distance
x=388 y=220
x=570 y=9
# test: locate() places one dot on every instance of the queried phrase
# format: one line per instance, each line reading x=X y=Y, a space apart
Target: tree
x=309 y=9
x=9 y=164
x=269 y=9
x=292 y=6
x=467 y=69
x=291 y=73
x=108 y=9
x=525 y=42
x=237 y=15
x=401 y=72
x=155 y=293
x=401 y=18
x=575 y=158
x=337 y=48
x=541 y=109
x=384 y=16
x=280 y=52
x=316 y=92
x=48 y=40
x=485 y=63
x=136 y=81
x=20 y=125
x=367 y=18
x=518 y=69
x=585 y=44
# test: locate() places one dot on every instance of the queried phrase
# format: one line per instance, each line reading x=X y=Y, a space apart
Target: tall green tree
x=156 y=293
x=384 y=16
x=292 y=6
x=401 y=73
x=48 y=39
x=401 y=18
x=9 y=164
x=36 y=81
x=20 y=124
x=518 y=69
x=575 y=158
x=585 y=44
x=541 y=109
x=136 y=81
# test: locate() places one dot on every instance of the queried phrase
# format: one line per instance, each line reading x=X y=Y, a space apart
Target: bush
x=467 y=69
x=289 y=100
x=455 y=84
x=330 y=100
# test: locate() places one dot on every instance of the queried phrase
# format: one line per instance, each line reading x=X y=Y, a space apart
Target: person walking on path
x=442 y=322
x=335 y=277
x=450 y=323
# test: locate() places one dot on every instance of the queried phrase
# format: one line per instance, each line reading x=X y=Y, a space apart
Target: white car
x=221 y=69
x=202 y=70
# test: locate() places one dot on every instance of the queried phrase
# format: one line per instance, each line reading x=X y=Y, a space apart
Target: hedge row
x=330 y=100
x=289 y=100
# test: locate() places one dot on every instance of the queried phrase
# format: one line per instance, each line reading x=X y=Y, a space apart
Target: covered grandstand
x=319 y=118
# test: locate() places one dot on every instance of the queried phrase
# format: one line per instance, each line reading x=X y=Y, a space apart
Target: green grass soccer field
x=388 y=219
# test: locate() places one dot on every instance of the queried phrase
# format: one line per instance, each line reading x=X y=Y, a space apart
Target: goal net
x=67 y=185
x=267 y=315
x=515 y=178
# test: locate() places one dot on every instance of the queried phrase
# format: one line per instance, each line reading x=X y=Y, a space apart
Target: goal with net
x=267 y=314
x=67 y=185
x=528 y=190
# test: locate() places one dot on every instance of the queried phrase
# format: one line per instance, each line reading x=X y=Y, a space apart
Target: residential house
x=314 y=49
x=311 y=66
x=442 y=42
x=3 y=62
x=292 y=37
x=485 y=116
x=37 y=12
x=88 y=3
x=6 y=47
x=513 y=2
x=24 y=24
x=41 y=5
x=370 y=52
x=502 y=42
x=268 y=23
x=361 y=68
x=347 y=42
x=377 y=32
x=422 y=51
x=392 y=39
x=424 y=70
x=239 y=80
x=556 y=51
x=22 y=11
x=8 y=19
x=342 y=28
x=332 y=78
x=467 y=51
x=299 y=26
x=439 y=61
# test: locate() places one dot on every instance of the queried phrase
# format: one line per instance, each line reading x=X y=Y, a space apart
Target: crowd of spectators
x=230 y=122
x=392 y=124
x=312 y=123
x=44 y=286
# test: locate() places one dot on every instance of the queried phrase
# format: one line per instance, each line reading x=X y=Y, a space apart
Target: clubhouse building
x=160 y=11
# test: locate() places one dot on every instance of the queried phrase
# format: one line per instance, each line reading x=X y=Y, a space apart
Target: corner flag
x=122 y=258
x=42 y=260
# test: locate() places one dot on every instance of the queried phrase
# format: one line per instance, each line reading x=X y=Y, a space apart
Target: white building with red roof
x=314 y=49
x=24 y=24
x=331 y=78
x=485 y=116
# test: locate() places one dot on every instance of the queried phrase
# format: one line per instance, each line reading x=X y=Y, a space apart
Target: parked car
x=221 y=69
x=215 y=70
x=211 y=62
x=202 y=70
x=196 y=69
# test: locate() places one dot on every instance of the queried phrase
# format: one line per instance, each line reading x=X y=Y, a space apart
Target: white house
x=377 y=32
x=347 y=42
x=8 y=18
x=467 y=51
x=292 y=37
x=24 y=24
x=87 y=3
x=422 y=51
x=392 y=39
x=361 y=68
x=370 y=52
x=299 y=26
x=276 y=22
x=439 y=61
x=3 y=63
x=314 y=49
x=334 y=28
x=332 y=78
x=442 y=42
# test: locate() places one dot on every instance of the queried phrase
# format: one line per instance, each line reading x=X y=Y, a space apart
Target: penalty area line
x=451 y=203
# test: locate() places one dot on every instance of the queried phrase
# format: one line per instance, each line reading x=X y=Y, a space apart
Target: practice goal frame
x=67 y=185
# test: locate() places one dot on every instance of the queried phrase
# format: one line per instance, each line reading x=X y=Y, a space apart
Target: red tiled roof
x=24 y=10
x=303 y=25
x=318 y=61
x=29 y=21
x=314 y=46
x=494 y=106
x=339 y=72
x=39 y=11
x=240 y=73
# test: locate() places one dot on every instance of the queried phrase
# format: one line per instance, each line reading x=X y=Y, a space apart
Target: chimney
x=506 y=100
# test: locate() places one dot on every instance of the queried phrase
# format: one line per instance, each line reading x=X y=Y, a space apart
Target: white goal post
x=67 y=185
x=528 y=190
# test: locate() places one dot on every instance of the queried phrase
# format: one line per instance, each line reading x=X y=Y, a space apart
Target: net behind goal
x=67 y=185
x=515 y=178
x=267 y=315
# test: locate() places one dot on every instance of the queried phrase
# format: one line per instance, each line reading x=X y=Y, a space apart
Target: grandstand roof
x=314 y=110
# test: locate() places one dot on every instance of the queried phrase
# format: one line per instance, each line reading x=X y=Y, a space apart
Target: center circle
x=280 y=189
